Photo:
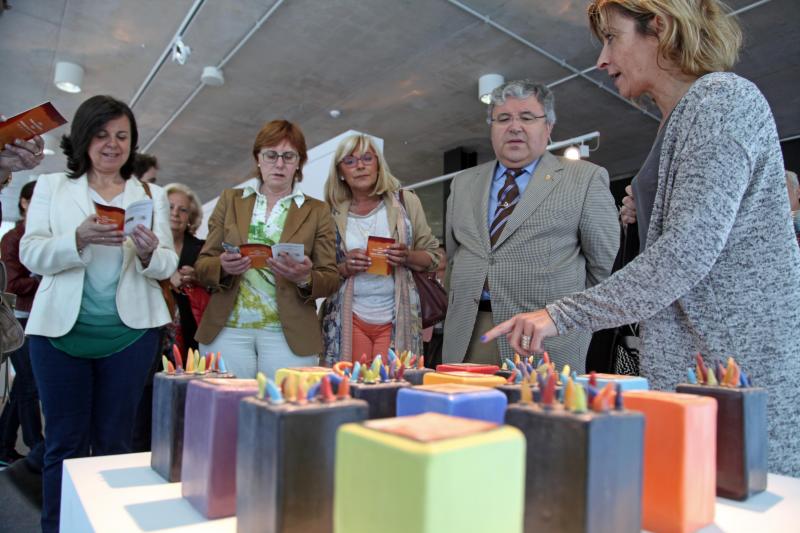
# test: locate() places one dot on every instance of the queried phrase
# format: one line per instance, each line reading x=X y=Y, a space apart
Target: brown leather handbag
x=432 y=296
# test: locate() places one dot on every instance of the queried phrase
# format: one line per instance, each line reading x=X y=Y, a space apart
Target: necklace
x=365 y=225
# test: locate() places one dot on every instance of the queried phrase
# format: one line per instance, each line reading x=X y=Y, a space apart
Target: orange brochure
x=107 y=214
x=376 y=250
x=258 y=254
x=30 y=123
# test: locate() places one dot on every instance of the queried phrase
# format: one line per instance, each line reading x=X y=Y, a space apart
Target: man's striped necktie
x=507 y=199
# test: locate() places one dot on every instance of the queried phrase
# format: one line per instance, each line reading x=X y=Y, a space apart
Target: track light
x=68 y=77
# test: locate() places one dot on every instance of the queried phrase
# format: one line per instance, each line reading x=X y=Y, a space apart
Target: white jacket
x=59 y=205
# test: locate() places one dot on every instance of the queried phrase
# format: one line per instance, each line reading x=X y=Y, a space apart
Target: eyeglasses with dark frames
x=271 y=157
x=526 y=119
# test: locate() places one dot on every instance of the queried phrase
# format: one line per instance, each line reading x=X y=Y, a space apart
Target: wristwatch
x=305 y=284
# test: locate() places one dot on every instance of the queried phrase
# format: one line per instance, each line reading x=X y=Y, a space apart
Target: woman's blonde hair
x=195 y=207
x=336 y=189
x=699 y=36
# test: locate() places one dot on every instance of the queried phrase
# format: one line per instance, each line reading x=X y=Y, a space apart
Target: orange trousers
x=370 y=339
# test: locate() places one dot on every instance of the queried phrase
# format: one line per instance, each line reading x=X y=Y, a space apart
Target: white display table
x=121 y=493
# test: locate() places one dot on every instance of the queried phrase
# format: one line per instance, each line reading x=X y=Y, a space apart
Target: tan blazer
x=59 y=205
x=561 y=238
x=310 y=225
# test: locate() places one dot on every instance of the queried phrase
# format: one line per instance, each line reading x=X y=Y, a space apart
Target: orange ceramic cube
x=465 y=378
x=680 y=434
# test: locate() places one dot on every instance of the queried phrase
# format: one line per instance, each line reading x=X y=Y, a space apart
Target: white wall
x=315 y=173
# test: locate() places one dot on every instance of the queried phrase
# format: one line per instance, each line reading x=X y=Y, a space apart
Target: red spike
x=176 y=352
x=700 y=365
x=549 y=392
x=546 y=358
x=513 y=377
x=325 y=390
x=363 y=360
x=170 y=368
x=593 y=378
x=602 y=402
x=344 y=390
x=216 y=361
x=209 y=361
x=412 y=363
x=401 y=369
x=420 y=362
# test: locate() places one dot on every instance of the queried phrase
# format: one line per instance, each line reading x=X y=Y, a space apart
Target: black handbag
x=432 y=296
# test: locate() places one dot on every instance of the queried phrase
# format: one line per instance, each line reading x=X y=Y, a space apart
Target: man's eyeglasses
x=527 y=119
x=351 y=160
x=271 y=157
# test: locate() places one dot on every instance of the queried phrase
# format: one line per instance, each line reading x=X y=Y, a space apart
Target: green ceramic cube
x=427 y=474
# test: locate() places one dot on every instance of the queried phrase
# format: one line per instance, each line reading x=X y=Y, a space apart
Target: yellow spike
x=565 y=371
x=569 y=395
x=525 y=393
x=262 y=385
x=516 y=359
x=580 y=399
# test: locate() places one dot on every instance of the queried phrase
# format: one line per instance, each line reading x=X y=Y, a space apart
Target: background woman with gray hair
x=185 y=216
x=372 y=312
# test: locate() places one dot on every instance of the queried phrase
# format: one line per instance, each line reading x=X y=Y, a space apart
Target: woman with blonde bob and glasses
x=371 y=313
x=263 y=319
x=719 y=269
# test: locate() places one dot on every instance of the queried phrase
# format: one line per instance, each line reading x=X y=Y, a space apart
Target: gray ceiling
x=404 y=70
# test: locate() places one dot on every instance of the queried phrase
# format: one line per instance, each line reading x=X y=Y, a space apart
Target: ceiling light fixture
x=488 y=83
x=180 y=51
x=576 y=152
x=212 y=76
x=68 y=77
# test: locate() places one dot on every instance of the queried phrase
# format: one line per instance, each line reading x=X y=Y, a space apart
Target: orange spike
x=420 y=362
x=344 y=390
x=325 y=390
x=546 y=358
x=170 y=368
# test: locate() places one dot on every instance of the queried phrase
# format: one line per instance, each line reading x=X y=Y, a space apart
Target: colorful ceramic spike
x=513 y=377
x=273 y=392
x=356 y=372
x=164 y=362
x=593 y=379
x=401 y=370
x=201 y=365
x=261 y=379
x=384 y=376
x=190 y=361
x=221 y=362
x=420 y=362
x=701 y=367
x=170 y=368
x=325 y=390
x=565 y=372
x=546 y=358
x=302 y=389
x=412 y=362
x=549 y=390
x=580 y=399
x=619 y=402
x=216 y=361
x=569 y=395
x=176 y=353
x=343 y=392
x=690 y=375
x=525 y=393
x=516 y=359
x=711 y=378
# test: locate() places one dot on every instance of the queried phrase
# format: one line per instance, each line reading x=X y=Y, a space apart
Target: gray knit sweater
x=721 y=272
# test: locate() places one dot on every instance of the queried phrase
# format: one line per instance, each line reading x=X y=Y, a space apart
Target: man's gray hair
x=521 y=89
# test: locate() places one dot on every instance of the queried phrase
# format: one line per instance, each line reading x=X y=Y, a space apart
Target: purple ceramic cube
x=455 y=399
x=583 y=470
x=284 y=464
x=513 y=392
x=741 y=438
x=381 y=397
x=169 y=405
x=209 y=450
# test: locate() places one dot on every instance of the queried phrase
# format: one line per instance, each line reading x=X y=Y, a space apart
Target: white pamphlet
x=139 y=212
x=294 y=250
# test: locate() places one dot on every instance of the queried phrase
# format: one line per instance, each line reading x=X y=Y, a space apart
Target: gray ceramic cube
x=285 y=463
x=381 y=397
x=583 y=471
x=416 y=375
x=169 y=401
x=741 y=438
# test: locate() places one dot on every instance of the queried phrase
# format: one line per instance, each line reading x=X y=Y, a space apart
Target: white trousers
x=248 y=351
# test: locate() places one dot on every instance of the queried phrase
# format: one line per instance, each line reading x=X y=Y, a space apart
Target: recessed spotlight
x=68 y=77
x=335 y=113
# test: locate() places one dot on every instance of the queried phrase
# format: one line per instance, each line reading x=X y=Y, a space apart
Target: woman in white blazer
x=93 y=324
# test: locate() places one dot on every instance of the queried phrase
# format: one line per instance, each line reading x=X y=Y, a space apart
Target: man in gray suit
x=523 y=230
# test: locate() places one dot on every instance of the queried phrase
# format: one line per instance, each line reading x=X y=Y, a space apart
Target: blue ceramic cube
x=455 y=399
x=626 y=382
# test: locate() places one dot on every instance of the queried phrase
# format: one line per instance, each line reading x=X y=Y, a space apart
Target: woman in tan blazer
x=263 y=319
